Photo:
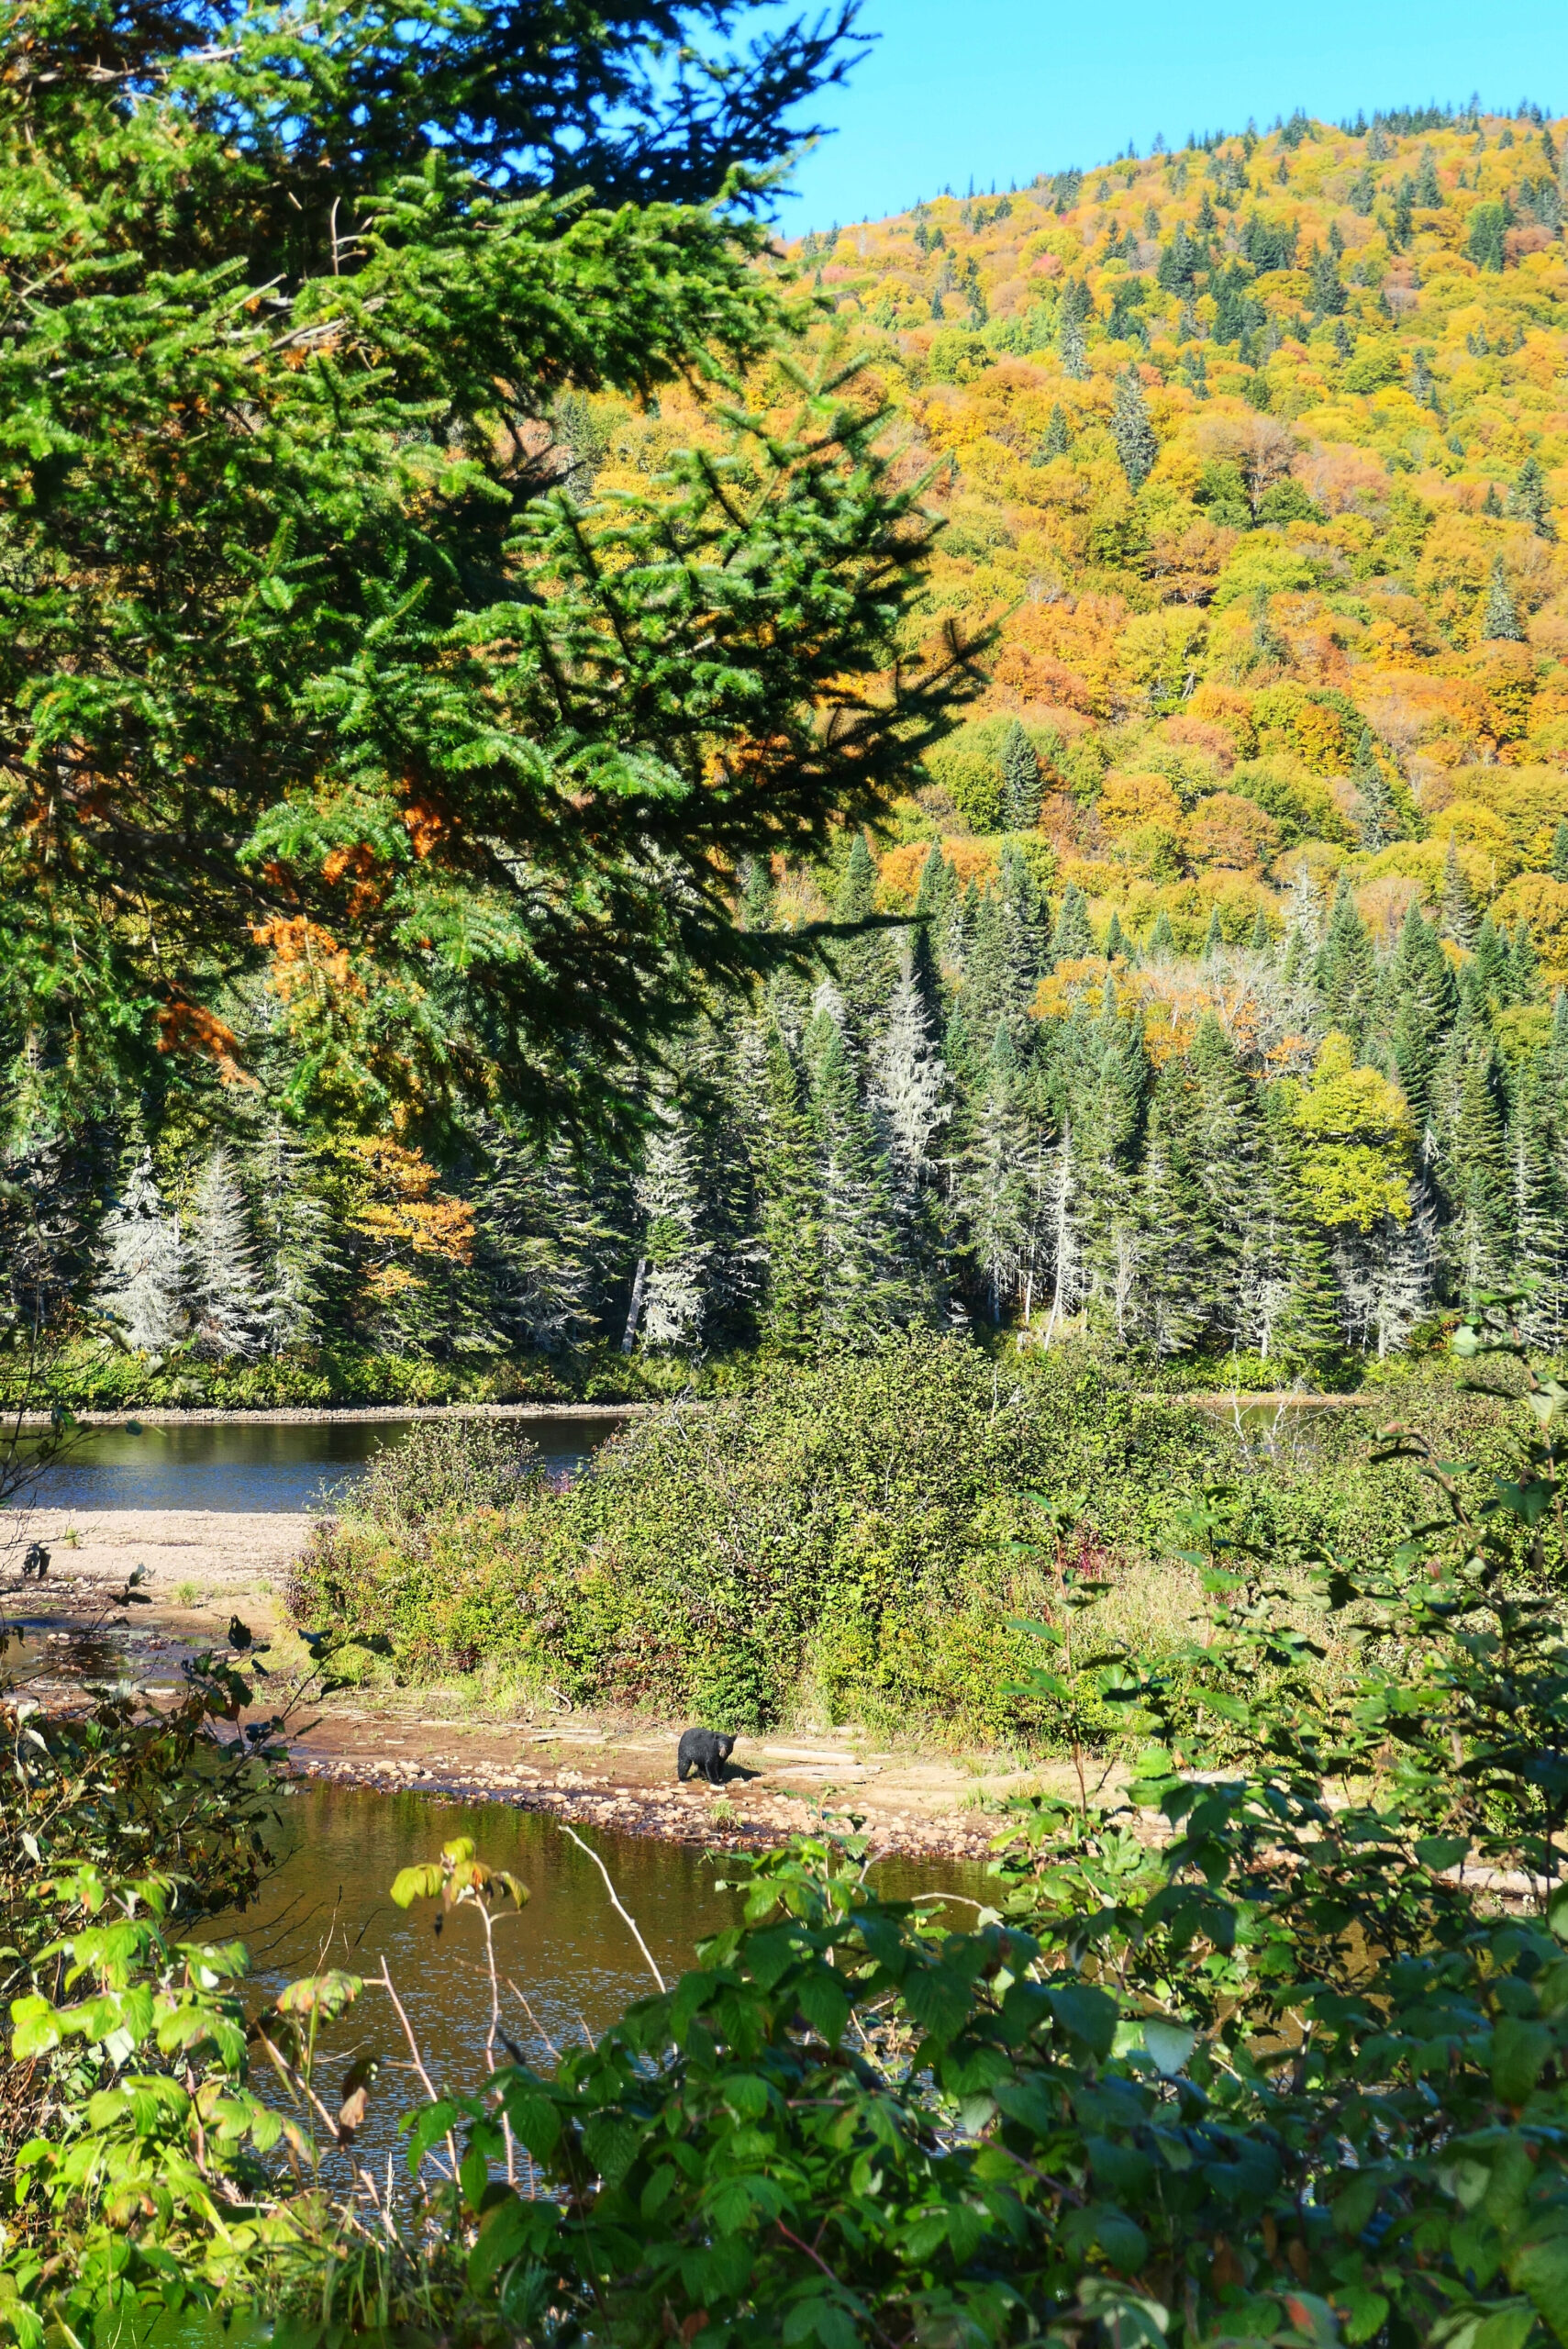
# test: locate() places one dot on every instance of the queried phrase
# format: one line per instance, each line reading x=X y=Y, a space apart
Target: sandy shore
x=202 y=1566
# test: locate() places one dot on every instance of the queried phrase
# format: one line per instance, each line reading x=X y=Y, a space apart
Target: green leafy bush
x=845 y=1539
x=1271 y=2047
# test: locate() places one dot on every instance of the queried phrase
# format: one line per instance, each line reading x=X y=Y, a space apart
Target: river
x=263 y=1465
x=570 y=1963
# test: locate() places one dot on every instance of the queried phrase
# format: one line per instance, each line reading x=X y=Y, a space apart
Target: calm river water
x=243 y=1465
x=570 y=1963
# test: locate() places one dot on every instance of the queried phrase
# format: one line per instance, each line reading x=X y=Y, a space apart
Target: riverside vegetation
x=855 y=1539
x=1289 y=2072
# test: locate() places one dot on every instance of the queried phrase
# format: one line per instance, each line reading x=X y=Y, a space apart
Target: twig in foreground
x=615 y=1900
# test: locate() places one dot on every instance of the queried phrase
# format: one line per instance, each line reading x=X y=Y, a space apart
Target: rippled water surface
x=569 y=1965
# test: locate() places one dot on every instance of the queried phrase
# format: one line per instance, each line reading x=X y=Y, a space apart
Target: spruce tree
x=1061 y=1234
x=1118 y=946
x=912 y=1084
x=1304 y=911
x=674 y=1245
x=1418 y=1005
x=1162 y=939
x=995 y=1189
x=1478 y=1241
x=46 y=1181
x=1020 y=781
x=757 y=895
x=1225 y=1149
x=1377 y=819
x=343 y=651
x=1458 y=916
x=1131 y=430
x=865 y=1288
x=1307 y=1333
x=789 y=1205
x=1056 y=442
x=1538 y=1152
x=1531 y=500
x=1072 y=938
x=1003 y=957
x=142 y=1266
x=1500 y=620
x=1525 y=963
x=1560 y=852
x=1106 y=1093
x=1263 y=1283
x=1346 y=968
x=221 y=1276
x=1214 y=937
x=1493 y=969
x=933 y=902
x=302 y=1265
x=541 y=1236
x=1070 y=344
x=1175 y=1259
x=866 y=966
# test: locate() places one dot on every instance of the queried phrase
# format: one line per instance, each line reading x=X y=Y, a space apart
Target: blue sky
x=1005 y=88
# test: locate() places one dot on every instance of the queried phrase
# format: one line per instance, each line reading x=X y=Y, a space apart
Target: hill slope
x=1247 y=448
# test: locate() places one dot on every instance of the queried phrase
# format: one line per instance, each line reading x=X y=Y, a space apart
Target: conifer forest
x=1002 y=769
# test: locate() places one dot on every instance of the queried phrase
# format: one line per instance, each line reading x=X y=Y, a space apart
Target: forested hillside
x=1230 y=1019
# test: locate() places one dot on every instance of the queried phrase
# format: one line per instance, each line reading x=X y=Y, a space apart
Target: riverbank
x=621 y=1775
x=203 y=1567
x=348 y=1414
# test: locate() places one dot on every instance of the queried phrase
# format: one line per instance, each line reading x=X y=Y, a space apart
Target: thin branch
x=616 y=1901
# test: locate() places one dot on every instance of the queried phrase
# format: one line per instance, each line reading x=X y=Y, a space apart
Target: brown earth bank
x=201 y=1568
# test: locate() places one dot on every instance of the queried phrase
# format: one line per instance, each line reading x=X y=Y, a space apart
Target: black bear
x=703 y=1750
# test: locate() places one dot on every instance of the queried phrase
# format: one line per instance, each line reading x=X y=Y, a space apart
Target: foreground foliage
x=1286 y=2068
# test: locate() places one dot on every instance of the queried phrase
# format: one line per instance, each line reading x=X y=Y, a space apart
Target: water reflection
x=569 y=1964
x=258 y=1465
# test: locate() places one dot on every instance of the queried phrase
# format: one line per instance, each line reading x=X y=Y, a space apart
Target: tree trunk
x=634 y=1314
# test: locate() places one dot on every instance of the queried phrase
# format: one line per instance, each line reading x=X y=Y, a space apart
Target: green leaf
x=1540 y=2269
x=1441 y=1851
x=505 y=2231
x=611 y=2143
x=421 y=1883
x=1506 y=2327
x=535 y=2122
x=823 y=2003
x=429 y=2127
x=1364 y=2312
x=939 y=2001
x=1519 y=2050
x=36 y=2028
x=1169 y=2043
x=1087 y=2013
x=1354 y=2205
